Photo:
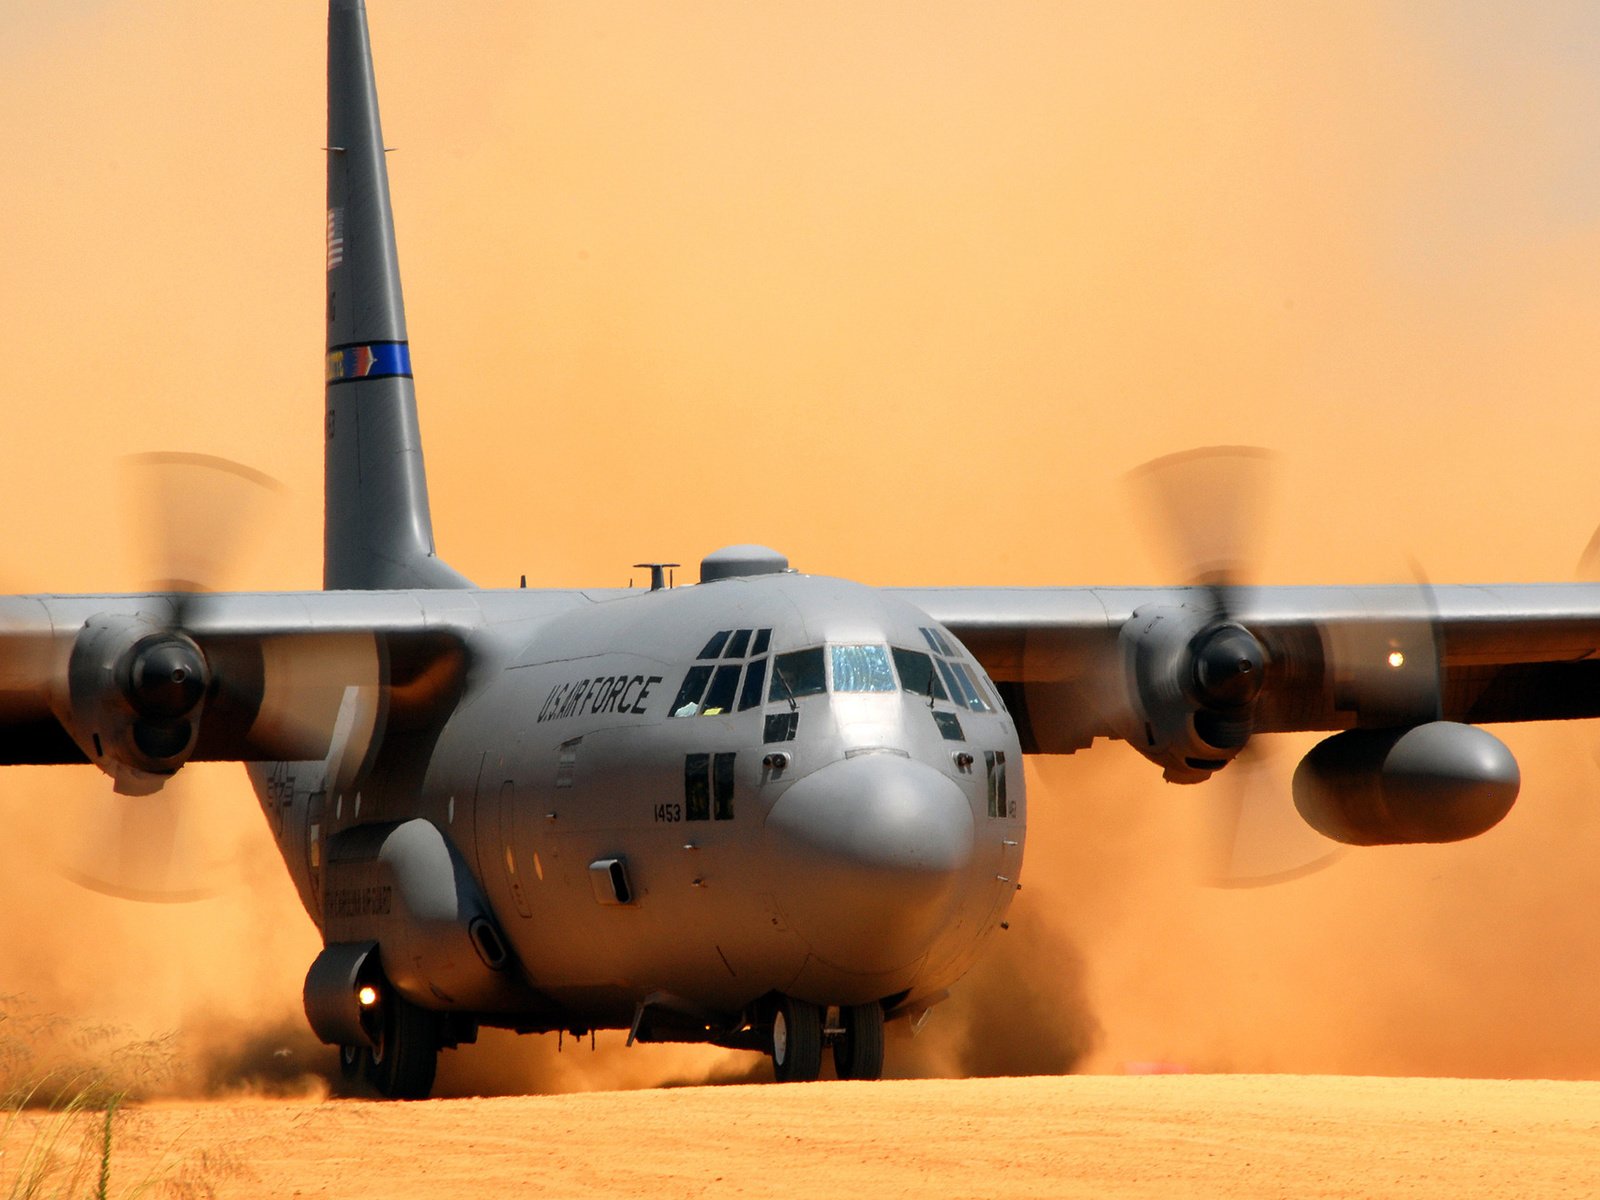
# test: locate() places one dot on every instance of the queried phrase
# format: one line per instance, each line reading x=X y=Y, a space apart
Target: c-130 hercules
x=770 y=811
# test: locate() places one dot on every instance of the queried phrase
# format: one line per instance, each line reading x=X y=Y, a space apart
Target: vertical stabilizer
x=377 y=531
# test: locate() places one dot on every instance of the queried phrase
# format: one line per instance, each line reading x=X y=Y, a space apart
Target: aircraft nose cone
x=869 y=854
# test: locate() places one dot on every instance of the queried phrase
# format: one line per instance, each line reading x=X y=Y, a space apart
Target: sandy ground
x=1159 y=1136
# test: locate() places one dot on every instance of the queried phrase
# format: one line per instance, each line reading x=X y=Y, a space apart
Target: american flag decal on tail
x=368 y=360
x=335 y=237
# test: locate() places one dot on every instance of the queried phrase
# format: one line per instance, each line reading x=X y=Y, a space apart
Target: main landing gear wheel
x=402 y=1061
x=796 y=1041
x=858 y=1048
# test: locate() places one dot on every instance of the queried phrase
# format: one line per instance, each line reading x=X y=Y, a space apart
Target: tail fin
x=377 y=531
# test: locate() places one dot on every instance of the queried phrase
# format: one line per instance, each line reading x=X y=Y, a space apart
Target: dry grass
x=62 y=1089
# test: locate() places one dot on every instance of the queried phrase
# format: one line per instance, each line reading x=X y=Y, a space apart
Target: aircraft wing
x=1079 y=663
x=139 y=684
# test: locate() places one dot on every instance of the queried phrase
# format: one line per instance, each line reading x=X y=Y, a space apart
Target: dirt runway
x=1088 y=1136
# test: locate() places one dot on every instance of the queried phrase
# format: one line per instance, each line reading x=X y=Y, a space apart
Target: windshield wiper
x=788 y=692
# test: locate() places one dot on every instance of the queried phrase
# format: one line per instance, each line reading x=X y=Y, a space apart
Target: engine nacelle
x=1193 y=679
x=134 y=691
x=1439 y=782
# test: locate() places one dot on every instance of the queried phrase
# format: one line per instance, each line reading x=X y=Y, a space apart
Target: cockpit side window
x=951 y=681
x=730 y=646
x=694 y=686
x=861 y=669
x=755 y=676
x=958 y=678
x=719 y=699
x=975 y=698
x=798 y=673
x=916 y=673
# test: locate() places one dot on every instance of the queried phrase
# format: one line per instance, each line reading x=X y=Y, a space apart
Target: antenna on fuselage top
x=658 y=573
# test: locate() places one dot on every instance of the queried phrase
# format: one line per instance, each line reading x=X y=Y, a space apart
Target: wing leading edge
x=1335 y=657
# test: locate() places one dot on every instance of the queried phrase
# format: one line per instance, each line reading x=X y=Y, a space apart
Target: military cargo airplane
x=770 y=810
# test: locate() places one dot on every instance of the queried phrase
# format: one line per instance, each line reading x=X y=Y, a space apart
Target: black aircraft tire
x=796 y=1041
x=858 y=1051
x=402 y=1064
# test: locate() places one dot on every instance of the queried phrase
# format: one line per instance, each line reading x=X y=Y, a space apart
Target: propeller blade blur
x=158 y=849
x=194 y=516
x=1250 y=834
x=1206 y=507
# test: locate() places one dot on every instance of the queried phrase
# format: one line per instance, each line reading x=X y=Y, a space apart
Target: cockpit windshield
x=861 y=669
x=728 y=679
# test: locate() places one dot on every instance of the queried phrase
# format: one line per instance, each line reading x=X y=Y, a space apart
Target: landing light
x=367 y=995
x=1397 y=659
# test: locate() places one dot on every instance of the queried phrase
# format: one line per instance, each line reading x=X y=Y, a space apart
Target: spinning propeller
x=1198 y=671
x=195 y=515
x=1208 y=504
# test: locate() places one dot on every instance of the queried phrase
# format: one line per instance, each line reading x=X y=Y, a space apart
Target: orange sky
x=903 y=290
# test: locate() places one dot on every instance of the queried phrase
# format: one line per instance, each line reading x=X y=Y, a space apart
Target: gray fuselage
x=779 y=783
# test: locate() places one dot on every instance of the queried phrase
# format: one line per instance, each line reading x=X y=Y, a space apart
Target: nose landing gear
x=798 y=1035
x=858 y=1046
x=796 y=1041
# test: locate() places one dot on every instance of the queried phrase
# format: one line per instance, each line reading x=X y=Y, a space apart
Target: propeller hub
x=1229 y=666
x=166 y=677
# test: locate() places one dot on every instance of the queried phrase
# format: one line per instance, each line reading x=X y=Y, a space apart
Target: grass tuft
x=62 y=1088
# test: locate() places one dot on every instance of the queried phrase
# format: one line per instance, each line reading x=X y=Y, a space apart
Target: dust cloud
x=902 y=292
x=1472 y=960
x=1477 y=959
